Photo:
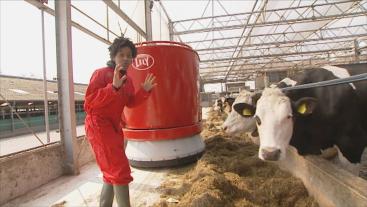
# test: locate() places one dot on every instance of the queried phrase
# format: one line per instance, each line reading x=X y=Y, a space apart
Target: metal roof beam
x=262 y=38
x=285 y=63
x=273 y=49
x=284 y=34
x=270 y=23
x=310 y=17
x=356 y=6
x=74 y=24
x=277 y=55
x=250 y=69
x=270 y=10
x=125 y=17
x=304 y=65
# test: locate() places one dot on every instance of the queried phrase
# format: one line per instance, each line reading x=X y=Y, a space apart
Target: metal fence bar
x=354 y=78
x=22 y=120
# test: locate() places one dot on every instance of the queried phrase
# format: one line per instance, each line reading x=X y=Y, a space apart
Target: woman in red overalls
x=108 y=92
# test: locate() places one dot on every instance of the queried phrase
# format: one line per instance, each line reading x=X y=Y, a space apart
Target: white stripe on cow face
x=275 y=124
x=289 y=81
x=339 y=73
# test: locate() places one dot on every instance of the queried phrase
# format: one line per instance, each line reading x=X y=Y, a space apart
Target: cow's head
x=218 y=105
x=227 y=105
x=275 y=117
x=241 y=118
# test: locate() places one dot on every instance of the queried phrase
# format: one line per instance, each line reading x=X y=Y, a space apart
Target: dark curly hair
x=117 y=44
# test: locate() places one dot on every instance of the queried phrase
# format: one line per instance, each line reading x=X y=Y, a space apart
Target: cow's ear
x=305 y=106
x=255 y=133
x=244 y=109
x=255 y=97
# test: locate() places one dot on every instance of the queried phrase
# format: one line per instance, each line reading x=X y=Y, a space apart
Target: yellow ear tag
x=247 y=112
x=302 y=108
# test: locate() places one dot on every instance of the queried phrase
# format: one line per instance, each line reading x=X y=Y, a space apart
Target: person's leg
x=122 y=195
x=107 y=194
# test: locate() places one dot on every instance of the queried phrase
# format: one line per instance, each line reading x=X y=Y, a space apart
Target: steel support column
x=66 y=86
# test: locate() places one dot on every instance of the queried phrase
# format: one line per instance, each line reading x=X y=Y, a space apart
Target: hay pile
x=230 y=174
x=212 y=126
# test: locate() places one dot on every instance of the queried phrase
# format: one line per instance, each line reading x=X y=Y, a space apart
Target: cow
x=314 y=119
x=227 y=104
x=223 y=104
x=236 y=122
x=240 y=119
x=218 y=105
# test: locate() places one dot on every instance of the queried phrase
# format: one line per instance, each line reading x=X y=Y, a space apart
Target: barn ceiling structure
x=238 y=40
x=274 y=36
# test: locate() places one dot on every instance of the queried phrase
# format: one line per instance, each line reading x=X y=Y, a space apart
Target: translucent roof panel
x=243 y=37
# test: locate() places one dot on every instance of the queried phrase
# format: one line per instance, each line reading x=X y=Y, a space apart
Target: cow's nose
x=270 y=153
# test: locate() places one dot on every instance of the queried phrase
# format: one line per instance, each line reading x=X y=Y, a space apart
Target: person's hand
x=149 y=82
x=117 y=79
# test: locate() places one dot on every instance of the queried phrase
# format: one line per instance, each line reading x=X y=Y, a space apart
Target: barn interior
x=50 y=49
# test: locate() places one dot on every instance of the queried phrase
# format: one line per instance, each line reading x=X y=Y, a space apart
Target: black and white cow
x=241 y=118
x=236 y=122
x=314 y=119
x=218 y=105
x=227 y=104
x=224 y=104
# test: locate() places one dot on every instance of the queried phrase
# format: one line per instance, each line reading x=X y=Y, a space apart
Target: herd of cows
x=312 y=120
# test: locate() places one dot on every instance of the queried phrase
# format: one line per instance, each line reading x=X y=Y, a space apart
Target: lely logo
x=143 y=62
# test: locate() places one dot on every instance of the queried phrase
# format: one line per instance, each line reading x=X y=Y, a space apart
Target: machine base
x=165 y=153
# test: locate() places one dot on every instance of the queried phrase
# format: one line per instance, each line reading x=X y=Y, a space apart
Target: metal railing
x=354 y=78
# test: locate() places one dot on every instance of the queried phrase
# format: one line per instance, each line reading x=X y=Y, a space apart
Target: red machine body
x=173 y=109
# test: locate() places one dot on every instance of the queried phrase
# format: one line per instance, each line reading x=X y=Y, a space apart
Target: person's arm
x=143 y=93
x=98 y=93
x=137 y=98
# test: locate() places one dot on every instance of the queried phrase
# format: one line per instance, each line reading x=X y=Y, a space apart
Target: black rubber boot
x=122 y=195
x=363 y=167
x=107 y=194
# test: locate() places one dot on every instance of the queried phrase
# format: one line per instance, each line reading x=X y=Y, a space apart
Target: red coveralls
x=103 y=124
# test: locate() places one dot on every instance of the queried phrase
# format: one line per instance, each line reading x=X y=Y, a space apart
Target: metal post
x=108 y=22
x=170 y=28
x=266 y=80
x=28 y=117
x=45 y=99
x=66 y=86
x=12 y=117
x=125 y=17
x=160 y=24
x=148 y=19
x=201 y=86
x=356 y=50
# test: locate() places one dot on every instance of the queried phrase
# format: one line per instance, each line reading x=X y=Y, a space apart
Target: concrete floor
x=84 y=189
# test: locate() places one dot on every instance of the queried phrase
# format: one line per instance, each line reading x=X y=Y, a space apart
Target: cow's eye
x=289 y=116
x=258 y=121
